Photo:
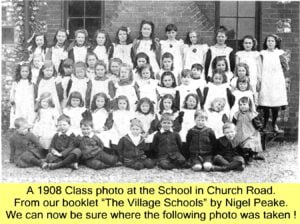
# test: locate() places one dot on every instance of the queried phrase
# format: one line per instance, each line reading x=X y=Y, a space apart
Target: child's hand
x=56 y=153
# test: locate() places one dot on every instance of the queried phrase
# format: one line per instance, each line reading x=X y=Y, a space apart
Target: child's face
x=80 y=38
x=100 y=102
x=248 y=44
x=167 y=62
x=101 y=39
x=218 y=79
x=45 y=103
x=141 y=61
x=61 y=37
x=146 y=74
x=193 y=37
x=48 y=72
x=221 y=65
x=191 y=102
x=166 y=124
x=271 y=43
x=171 y=34
x=75 y=102
x=196 y=73
x=200 y=121
x=244 y=106
x=86 y=130
x=124 y=73
x=24 y=72
x=230 y=133
x=37 y=62
x=221 y=38
x=146 y=30
x=145 y=107
x=243 y=86
x=80 y=73
x=115 y=68
x=23 y=129
x=135 y=130
x=122 y=104
x=167 y=81
x=91 y=61
x=39 y=40
x=68 y=70
x=167 y=104
x=185 y=80
x=63 y=126
x=100 y=71
x=122 y=36
x=241 y=71
x=218 y=106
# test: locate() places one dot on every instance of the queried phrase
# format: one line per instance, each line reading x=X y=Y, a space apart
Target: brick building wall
x=198 y=15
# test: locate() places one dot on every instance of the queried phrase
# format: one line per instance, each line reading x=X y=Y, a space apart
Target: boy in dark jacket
x=25 y=149
x=62 y=151
x=132 y=148
x=92 y=154
x=226 y=154
x=201 y=141
x=167 y=144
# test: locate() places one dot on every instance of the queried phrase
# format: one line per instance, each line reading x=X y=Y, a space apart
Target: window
x=8 y=35
x=240 y=18
x=84 y=14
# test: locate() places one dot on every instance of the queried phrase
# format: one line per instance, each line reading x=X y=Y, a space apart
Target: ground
x=281 y=165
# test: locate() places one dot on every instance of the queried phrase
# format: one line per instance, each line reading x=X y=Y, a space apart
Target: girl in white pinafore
x=147 y=43
x=22 y=96
x=123 y=45
x=273 y=93
x=79 y=46
x=193 y=53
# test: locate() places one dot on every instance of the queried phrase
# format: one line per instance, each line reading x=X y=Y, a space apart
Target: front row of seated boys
x=201 y=152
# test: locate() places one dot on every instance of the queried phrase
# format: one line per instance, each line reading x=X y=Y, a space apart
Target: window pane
x=246 y=9
x=76 y=8
x=228 y=9
x=93 y=8
x=246 y=27
x=230 y=24
x=75 y=24
x=91 y=25
x=7 y=35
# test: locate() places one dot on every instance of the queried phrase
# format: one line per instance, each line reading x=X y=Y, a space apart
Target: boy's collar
x=90 y=135
x=163 y=130
x=68 y=133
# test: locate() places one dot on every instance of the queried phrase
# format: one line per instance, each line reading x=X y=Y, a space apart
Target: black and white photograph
x=150 y=91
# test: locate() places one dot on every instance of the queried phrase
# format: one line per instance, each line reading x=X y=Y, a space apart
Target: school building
x=21 y=17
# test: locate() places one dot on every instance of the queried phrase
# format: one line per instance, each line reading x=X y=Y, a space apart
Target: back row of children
x=191 y=76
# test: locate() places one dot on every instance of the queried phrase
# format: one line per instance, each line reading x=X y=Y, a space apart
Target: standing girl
x=114 y=69
x=79 y=46
x=140 y=59
x=22 y=95
x=102 y=46
x=251 y=57
x=125 y=86
x=59 y=49
x=37 y=45
x=74 y=109
x=219 y=49
x=91 y=59
x=36 y=64
x=123 y=46
x=66 y=72
x=147 y=43
x=80 y=83
x=47 y=82
x=272 y=94
x=173 y=46
x=193 y=53
x=45 y=122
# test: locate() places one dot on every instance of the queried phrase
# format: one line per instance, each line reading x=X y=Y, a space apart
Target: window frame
x=66 y=14
x=257 y=23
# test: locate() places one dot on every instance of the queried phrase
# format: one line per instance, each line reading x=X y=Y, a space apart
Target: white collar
x=68 y=133
x=135 y=139
x=90 y=136
x=163 y=130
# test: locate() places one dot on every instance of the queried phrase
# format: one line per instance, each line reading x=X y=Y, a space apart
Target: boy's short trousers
x=198 y=159
x=54 y=159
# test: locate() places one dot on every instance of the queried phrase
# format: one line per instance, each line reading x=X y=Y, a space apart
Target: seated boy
x=226 y=154
x=132 y=148
x=167 y=144
x=25 y=149
x=62 y=152
x=92 y=154
x=201 y=141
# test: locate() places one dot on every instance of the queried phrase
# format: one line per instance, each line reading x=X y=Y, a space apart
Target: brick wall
x=272 y=12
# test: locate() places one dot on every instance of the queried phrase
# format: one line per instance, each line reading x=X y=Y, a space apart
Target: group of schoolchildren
x=145 y=102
